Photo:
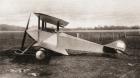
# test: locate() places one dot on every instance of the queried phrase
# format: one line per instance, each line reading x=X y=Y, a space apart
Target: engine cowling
x=40 y=54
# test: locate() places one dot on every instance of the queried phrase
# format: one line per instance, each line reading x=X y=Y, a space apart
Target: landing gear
x=42 y=54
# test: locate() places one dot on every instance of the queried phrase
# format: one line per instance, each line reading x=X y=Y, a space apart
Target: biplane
x=53 y=39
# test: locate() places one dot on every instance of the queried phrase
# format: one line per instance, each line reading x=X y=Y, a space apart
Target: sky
x=79 y=13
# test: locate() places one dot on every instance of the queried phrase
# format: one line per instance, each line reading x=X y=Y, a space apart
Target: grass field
x=80 y=66
x=11 y=39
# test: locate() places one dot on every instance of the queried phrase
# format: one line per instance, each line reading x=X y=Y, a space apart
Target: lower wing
x=61 y=42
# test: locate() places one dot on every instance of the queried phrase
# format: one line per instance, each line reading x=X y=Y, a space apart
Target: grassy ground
x=78 y=66
x=11 y=39
x=84 y=66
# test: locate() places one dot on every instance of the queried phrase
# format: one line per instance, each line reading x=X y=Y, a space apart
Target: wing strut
x=25 y=33
x=21 y=51
x=58 y=25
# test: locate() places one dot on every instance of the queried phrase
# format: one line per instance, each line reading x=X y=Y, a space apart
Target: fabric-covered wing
x=69 y=42
x=46 y=40
x=51 y=44
x=51 y=19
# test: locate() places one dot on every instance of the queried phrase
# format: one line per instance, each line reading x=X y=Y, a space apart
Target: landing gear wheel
x=40 y=55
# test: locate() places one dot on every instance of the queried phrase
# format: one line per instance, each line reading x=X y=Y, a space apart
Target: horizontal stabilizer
x=119 y=44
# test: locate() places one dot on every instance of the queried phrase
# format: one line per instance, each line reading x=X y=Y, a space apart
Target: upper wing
x=51 y=19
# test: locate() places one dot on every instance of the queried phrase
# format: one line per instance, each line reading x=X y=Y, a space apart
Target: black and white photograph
x=69 y=39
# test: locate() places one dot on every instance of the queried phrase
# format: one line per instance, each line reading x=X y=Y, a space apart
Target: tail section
x=115 y=47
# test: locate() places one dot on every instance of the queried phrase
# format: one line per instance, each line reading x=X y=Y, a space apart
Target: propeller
x=25 y=33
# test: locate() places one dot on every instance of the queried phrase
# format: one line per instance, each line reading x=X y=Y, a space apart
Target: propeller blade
x=25 y=33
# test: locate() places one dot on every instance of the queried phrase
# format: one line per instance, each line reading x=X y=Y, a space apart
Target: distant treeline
x=116 y=27
x=106 y=28
x=5 y=27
